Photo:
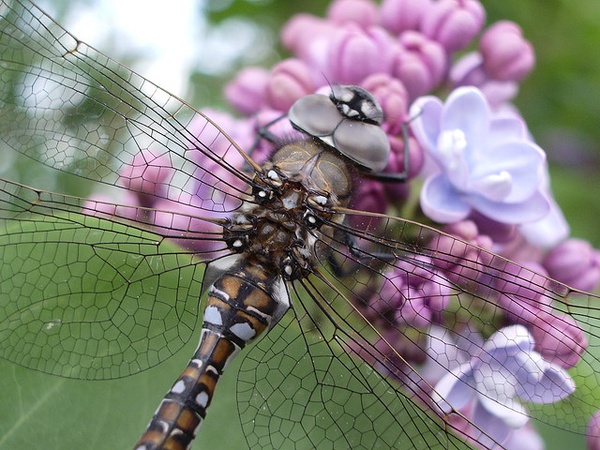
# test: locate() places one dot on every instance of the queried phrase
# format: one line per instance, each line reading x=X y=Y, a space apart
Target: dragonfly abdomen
x=242 y=303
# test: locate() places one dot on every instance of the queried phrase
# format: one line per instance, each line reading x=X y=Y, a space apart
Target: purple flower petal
x=506 y=338
x=506 y=129
x=551 y=385
x=512 y=213
x=508 y=368
x=495 y=429
x=440 y=202
x=485 y=165
x=466 y=109
x=523 y=163
x=454 y=389
x=426 y=112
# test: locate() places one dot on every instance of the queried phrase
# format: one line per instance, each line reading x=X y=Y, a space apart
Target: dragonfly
x=98 y=291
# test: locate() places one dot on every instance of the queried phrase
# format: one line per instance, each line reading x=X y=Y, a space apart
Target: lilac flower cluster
x=481 y=180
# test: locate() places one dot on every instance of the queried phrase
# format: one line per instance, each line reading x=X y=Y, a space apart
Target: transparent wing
x=97 y=290
x=302 y=388
x=85 y=291
x=381 y=329
x=85 y=297
x=75 y=110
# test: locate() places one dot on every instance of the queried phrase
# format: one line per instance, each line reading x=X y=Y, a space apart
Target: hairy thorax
x=295 y=197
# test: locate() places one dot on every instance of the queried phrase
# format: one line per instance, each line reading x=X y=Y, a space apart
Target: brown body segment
x=247 y=297
x=241 y=304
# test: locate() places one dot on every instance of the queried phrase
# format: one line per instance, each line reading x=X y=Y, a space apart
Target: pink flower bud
x=369 y=197
x=521 y=292
x=507 y=56
x=355 y=54
x=416 y=159
x=559 y=339
x=281 y=128
x=501 y=233
x=290 y=80
x=361 y=12
x=302 y=28
x=212 y=173
x=453 y=23
x=458 y=260
x=592 y=432
x=414 y=311
x=308 y=38
x=102 y=205
x=419 y=63
x=147 y=176
x=246 y=92
x=469 y=71
x=181 y=223
x=401 y=15
x=576 y=263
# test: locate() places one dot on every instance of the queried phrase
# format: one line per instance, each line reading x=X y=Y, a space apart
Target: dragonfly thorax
x=295 y=195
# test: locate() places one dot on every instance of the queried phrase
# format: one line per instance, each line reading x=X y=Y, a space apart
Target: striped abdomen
x=244 y=301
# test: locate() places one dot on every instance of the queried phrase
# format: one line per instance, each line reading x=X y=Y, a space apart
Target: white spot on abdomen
x=243 y=330
x=179 y=387
x=202 y=399
x=212 y=315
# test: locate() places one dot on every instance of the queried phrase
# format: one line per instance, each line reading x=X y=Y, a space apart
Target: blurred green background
x=560 y=101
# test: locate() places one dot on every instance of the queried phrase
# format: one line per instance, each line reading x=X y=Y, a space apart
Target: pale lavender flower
x=507 y=56
x=481 y=163
x=489 y=386
x=550 y=229
x=401 y=15
x=453 y=23
x=447 y=350
x=419 y=62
